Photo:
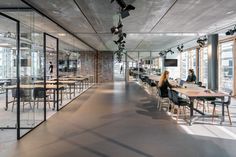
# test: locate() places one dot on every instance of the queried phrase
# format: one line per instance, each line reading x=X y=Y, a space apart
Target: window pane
x=203 y=66
x=226 y=66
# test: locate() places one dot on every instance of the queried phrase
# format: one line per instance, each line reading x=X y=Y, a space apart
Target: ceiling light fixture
x=202 y=41
x=231 y=31
x=230 y=12
x=125 y=9
x=61 y=34
x=180 y=48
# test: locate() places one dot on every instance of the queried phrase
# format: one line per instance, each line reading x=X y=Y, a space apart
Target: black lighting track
x=37 y=10
x=10 y=9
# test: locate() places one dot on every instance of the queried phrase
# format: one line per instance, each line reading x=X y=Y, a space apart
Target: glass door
x=31 y=74
x=9 y=31
x=53 y=89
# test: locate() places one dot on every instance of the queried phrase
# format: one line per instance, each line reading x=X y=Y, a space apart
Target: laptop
x=181 y=83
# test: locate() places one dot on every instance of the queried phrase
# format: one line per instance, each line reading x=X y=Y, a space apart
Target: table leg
x=54 y=98
x=61 y=96
x=6 y=108
x=70 y=90
x=191 y=111
x=74 y=90
x=223 y=112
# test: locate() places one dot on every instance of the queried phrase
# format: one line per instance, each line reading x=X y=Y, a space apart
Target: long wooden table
x=154 y=77
x=82 y=80
x=48 y=87
x=197 y=92
x=69 y=83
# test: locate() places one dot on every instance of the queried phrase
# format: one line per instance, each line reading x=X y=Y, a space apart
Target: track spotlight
x=162 y=53
x=124 y=8
x=170 y=51
x=231 y=31
x=202 y=41
x=116 y=30
x=180 y=48
x=123 y=5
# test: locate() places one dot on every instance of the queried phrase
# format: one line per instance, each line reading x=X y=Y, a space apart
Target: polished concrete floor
x=120 y=121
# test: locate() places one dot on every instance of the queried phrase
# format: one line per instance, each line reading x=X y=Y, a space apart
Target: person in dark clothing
x=164 y=84
x=121 y=69
x=191 y=76
x=50 y=68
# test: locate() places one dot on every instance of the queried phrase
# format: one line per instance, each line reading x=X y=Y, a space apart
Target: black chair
x=25 y=96
x=171 y=101
x=152 y=85
x=161 y=100
x=220 y=103
x=179 y=102
x=204 y=101
x=39 y=94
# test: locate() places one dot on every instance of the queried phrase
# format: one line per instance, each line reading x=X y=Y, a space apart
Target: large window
x=203 y=66
x=192 y=59
x=226 y=66
x=184 y=65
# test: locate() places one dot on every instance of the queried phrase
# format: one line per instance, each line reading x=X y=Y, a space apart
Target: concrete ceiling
x=153 y=26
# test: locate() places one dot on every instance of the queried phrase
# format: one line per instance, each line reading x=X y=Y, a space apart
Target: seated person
x=191 y=76
x=164 y=84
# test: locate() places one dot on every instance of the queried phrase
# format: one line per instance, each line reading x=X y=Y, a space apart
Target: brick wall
x=99 y=64
x=105 y=67
x=87 y=63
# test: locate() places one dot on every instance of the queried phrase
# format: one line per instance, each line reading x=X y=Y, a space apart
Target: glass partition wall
x=30 y=87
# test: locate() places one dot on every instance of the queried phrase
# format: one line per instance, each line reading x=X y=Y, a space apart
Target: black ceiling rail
x=37 y=10
x=10 y=9
x=164 y=15
x=76 y=3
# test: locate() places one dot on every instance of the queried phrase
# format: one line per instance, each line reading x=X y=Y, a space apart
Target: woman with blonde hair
x=164 y=84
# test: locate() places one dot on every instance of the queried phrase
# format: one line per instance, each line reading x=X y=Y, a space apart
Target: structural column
x=213 y=61
x=126 y=68
x=198 y=63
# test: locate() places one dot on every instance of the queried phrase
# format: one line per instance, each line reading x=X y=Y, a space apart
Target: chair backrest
x=229 y=98
x=159 y=91
x=175 y=97
x=169 y=94
x=23 y=93
x=39 y=93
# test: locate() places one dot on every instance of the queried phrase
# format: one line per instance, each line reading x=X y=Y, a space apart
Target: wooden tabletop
x=69 y=79
x=154 y=77
x=54 y=82
x=30 y=86
x=198 y=92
